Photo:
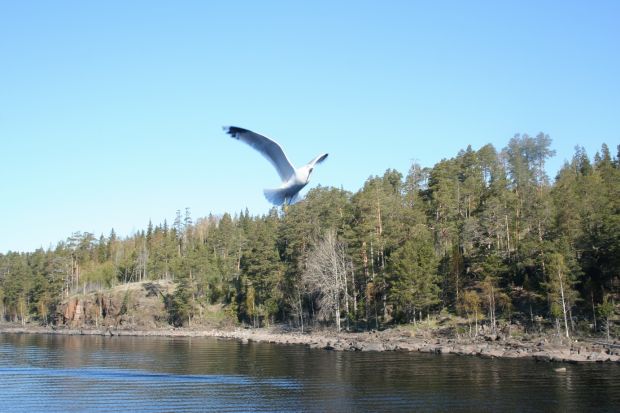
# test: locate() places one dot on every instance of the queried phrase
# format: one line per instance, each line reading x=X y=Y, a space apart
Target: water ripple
x=105 y=374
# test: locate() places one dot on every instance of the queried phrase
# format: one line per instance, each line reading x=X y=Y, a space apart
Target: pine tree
x=262 y=268
x=180 y=303
x=413 y=277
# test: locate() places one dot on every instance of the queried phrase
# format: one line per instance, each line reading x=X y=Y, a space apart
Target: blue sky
x=111 y=112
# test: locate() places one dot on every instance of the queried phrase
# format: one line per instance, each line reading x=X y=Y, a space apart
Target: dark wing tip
x=233 y=131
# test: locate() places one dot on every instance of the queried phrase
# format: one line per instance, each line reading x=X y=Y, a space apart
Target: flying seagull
x=293 y=179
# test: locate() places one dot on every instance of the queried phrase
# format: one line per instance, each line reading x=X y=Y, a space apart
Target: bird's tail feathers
x=278 y=196
x=275 y=196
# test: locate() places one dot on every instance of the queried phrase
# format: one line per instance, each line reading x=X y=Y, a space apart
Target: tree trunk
x=564 y=310
x=507 y=236
x=366 y=276
x=301 y=311
x=354 y=293
x=476 y=318
x=492 y=309
x=23 y=317
x=346 y=299
x=372 y=277
x=608 y=327
x=337 y=314
x=593 y=310
x=337 y=296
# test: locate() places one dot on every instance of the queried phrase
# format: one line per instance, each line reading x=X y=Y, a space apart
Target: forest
x=485 y=235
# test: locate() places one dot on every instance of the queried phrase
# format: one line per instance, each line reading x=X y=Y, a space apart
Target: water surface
x=157 y=374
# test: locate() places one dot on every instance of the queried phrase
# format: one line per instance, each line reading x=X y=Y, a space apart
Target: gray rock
x=542 y=356
x=372 y=346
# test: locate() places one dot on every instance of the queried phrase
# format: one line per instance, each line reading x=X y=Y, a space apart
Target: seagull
x=293 y=179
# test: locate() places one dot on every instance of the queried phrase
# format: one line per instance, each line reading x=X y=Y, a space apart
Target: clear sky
x=111 y=112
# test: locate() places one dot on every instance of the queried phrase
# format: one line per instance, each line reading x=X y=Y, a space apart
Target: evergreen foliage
x=485 y=235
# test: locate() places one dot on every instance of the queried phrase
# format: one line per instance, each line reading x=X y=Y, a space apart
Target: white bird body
x=293 y=179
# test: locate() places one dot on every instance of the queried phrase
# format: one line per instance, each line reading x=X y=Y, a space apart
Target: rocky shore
x=491 y=346
x=138 y=310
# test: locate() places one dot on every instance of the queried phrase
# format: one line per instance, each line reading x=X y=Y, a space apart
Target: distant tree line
x=484 y=235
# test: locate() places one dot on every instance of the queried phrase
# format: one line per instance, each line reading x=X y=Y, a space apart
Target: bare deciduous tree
x=326 y=276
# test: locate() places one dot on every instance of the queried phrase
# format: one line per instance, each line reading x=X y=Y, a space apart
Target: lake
x=160 y=374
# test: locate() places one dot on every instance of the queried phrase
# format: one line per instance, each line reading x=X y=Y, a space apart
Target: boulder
x=542 y=356
x=372 y=346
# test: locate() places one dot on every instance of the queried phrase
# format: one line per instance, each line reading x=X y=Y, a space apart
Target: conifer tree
x=413 y=277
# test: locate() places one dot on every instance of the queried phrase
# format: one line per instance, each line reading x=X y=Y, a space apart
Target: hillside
x=138 y=305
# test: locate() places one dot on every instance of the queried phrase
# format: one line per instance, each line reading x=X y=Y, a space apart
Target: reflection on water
x=77 y=373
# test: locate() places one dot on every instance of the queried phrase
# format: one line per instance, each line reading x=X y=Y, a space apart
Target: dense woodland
x=485 y=235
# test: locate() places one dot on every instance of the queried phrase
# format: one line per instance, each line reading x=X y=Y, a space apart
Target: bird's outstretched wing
x=267 y=147
x=318 y=159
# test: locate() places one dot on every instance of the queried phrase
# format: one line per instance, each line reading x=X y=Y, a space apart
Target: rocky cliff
x=136 y=305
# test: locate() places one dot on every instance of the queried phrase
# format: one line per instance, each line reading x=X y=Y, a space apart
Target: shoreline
x=539 y=349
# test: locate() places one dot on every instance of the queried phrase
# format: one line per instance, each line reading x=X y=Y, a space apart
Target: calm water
x=78 y=373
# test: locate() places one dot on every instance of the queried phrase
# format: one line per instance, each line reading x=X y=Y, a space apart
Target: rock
x=135 y=304
x=491 y=352
x=577 y=358
x=404 y=346
x=511 y=354
x=542 y=356
x=447 y=349
x=339 y=345
x=426 y=349
x=599 y=357
x=464 y=350
x=372 y=346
